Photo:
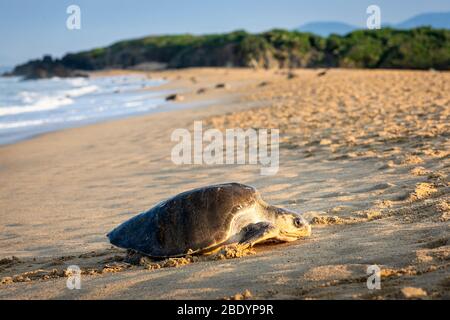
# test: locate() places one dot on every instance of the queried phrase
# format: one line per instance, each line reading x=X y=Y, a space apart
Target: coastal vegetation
x=420 y=48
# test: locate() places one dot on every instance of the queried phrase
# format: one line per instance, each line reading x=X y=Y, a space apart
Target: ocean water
x=32 y=107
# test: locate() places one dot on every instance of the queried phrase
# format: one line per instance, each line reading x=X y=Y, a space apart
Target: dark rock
x=175 y=97
x=292 y=75
x=223 y=86
x=322 y=73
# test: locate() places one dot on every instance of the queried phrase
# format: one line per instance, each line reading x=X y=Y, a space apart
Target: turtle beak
x=306 y=230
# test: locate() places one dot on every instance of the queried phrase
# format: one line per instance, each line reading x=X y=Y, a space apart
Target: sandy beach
x=364 y=155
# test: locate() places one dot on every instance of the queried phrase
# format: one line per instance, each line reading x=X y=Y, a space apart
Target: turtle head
x=291 y=225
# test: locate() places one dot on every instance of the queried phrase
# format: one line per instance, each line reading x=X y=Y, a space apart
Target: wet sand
x=363 y=154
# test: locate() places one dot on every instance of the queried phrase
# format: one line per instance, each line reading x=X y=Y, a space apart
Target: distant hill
x=438 y=20
x=324 y=29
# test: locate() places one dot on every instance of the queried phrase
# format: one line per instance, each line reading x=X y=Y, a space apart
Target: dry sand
x=364 y=155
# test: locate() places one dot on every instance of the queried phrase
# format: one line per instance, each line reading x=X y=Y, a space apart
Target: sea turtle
x=203 y=220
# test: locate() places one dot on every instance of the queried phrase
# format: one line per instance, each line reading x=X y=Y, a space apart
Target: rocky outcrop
x=44 y=68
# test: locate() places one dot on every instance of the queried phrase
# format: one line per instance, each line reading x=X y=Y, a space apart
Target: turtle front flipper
x=258 y=232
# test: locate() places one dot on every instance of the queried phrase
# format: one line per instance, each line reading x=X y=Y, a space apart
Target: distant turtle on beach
x=203 y=220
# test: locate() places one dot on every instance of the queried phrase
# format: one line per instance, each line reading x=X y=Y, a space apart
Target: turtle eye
x=298 y=222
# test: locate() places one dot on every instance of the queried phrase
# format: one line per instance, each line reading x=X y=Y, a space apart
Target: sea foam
x=35 y=106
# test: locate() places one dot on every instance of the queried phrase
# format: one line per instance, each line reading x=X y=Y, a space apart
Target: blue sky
x=31 y=28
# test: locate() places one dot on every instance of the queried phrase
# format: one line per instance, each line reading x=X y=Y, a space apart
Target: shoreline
x=363 y=155
x=169 y=107
x=172 y=86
